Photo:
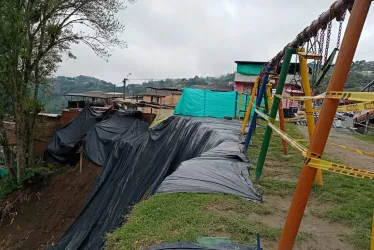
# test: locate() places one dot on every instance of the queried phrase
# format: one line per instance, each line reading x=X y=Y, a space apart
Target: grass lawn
x=368 y=138
x=183 y=217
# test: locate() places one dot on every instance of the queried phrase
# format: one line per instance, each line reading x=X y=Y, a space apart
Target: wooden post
x=339 y=76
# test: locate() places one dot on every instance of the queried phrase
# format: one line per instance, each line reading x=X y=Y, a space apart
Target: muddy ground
x=38 y=216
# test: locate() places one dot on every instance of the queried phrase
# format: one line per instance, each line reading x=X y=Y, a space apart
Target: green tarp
x=244 y=105
x=206 y=103
x=249 y=69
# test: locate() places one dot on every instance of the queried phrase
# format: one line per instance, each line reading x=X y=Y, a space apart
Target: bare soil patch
x=38 y=215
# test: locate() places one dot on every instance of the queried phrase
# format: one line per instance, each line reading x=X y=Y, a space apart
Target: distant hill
x=361 y=73
x=63 y=85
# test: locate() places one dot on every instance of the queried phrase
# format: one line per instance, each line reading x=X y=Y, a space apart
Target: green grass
x=368 y=138
x=350 y=198
x=183 y=217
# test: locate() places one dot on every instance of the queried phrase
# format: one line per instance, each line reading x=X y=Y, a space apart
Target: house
x=247 y=72
x=155 y=99
x=97 y=98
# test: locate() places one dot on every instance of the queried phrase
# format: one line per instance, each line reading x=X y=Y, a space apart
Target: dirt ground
x=320 y=233
x=40 y=216
x=345 y=137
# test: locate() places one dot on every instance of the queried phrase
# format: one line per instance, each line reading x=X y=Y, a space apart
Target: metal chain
x=314 y=73
x=320 y=49
x=340 y=30
x=327 y=41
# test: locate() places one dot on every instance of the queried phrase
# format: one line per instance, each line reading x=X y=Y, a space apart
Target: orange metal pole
x=281 y=123
x=304 y=186
x=282 y=127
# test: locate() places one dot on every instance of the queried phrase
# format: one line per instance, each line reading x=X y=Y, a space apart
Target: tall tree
x=34 y=35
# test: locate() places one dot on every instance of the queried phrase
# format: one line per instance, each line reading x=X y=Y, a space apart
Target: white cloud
x=174 y=38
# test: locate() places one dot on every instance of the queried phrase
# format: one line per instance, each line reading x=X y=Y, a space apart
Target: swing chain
x=340 y=30
x=327 y=41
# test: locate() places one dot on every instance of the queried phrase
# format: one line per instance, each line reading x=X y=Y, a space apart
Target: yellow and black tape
x=302 y=98
x=357 y=107
x=313 y=160
x=295 y=118
x=338 y=168
x=359 y=151
x=351 y=96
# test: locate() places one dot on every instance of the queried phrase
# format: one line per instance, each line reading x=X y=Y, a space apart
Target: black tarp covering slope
x=136 y=168
x=220 y=170
x=62 y=150
x=194 y=246
x=100 y=140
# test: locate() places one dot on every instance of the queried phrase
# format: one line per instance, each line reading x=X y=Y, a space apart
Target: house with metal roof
x=247 y=72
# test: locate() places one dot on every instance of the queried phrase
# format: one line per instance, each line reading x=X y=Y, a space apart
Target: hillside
x=63 y=85
x=362 y=72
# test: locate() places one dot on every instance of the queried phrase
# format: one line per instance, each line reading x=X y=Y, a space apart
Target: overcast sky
x=180 y=38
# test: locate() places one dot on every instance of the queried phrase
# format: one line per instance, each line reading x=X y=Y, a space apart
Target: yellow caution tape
x=352 y=96
x=337 y=168
x=359 y=151
x=357 y=107
x=318 y=163
x=296 y=118
x=302 y=98
x=353 y=149
x=286 y=137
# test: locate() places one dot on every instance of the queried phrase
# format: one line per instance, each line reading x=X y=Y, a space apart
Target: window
x=155 y=99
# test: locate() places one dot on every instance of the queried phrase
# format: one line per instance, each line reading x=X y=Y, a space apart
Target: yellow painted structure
x=308 y=106
x=249 y=108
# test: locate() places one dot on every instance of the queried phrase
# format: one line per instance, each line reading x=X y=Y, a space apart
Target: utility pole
x=124 y=88
x=124 y=85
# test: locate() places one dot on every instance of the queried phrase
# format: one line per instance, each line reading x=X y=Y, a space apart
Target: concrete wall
x=171 y=100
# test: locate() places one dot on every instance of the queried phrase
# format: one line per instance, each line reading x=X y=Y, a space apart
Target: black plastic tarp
x=195 y=246
x=135 y=169
x=62 y=150
x=100 y=140
x=215 y=171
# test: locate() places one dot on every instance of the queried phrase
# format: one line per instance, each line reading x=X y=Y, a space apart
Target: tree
x=34 y=35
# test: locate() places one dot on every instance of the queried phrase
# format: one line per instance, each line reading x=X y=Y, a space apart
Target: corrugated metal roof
x=221 y=88
x=95 y=94
x=251 y=79
x=50 y=115
x=171 y=89
x=251 y=62
x=244 y=78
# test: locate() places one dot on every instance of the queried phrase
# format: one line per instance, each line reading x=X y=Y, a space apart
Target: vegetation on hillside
x=34 y=34
x=356 y=80
x=63 y=85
